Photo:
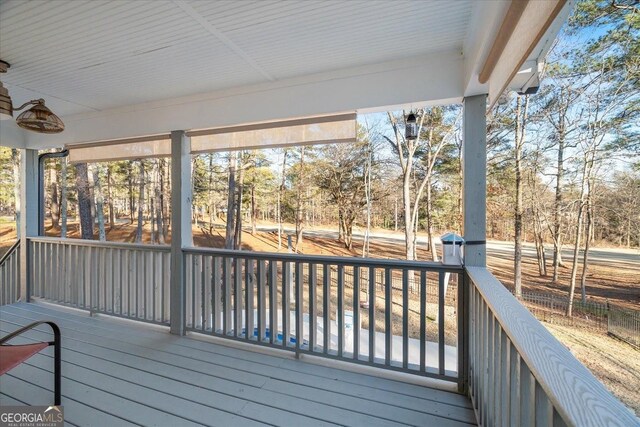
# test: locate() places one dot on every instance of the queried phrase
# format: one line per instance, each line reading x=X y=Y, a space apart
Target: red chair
x=13 y=355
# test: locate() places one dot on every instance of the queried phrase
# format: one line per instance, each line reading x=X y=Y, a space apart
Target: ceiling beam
x=533 y=23
x=504 y=34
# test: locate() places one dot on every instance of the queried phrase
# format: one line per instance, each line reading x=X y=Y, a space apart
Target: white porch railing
x=294 y=302
x=514 y=370
x=118 y=279
x=521 y=375
x=10 y=275
x=326 y=306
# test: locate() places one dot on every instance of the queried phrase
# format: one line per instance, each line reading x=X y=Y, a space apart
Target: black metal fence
x=607 y=317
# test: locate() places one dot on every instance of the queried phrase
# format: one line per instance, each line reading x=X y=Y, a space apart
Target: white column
x=474 y=165
x=28 y=216
x=181 y=235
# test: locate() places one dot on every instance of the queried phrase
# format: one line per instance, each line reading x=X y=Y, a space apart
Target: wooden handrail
x=502 y=38
x=10 y=251
x=101 y=244
x=576 y=395
x=334 y=260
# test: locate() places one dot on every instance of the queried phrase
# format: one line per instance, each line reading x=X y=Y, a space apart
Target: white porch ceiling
x=121 y=69
x=86 y=56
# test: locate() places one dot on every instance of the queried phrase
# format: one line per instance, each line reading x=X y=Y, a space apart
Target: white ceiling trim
x=223 y=38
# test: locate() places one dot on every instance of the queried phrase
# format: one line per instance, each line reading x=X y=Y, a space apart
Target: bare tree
x=413 y=188
x=536 y=200
x=519 y=136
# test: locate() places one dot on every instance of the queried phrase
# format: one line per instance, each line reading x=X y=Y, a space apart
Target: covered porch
x=121 y=373
x=178 y=335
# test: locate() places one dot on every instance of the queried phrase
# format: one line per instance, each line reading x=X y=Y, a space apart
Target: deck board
x=140 y=374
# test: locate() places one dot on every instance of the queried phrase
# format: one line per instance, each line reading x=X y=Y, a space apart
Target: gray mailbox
x=452 y=249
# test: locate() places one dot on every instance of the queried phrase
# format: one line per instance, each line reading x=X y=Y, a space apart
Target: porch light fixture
x=37 y=118
x=6 y=108
x=411 y=127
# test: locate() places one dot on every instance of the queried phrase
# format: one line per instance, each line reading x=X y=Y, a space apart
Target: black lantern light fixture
x=411 y=127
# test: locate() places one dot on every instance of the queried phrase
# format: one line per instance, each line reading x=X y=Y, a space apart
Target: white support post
x=181 y=235
x=28 y=216
x=474 y=164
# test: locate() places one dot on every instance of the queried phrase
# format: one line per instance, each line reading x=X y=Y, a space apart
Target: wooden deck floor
x=122 y=373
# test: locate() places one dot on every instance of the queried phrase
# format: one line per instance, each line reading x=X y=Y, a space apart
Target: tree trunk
x=211 y=201
x=157 y=201
x=538 y=231
x=15 y=161
x=254 y=213
x=97 y=191
x=587 y=244
x=54 y=208
x=112 y=214
x=84 y=201
x=131 y=195
x=280 y=198
x=299 y=203
x=140 y=203
x=521 y=120
x=341 y=232
x=229 y=235
x=395 y=215
x=460 y=187
x=578 y=233
x=574 y=267
x=152 y=217
x=92 y=195
x=367 y=195
x=409 y=233
x=239 y=190
x=165 y=194
x=432 y=243
x=63 y=198
x=348 y=235
x=557 y=238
